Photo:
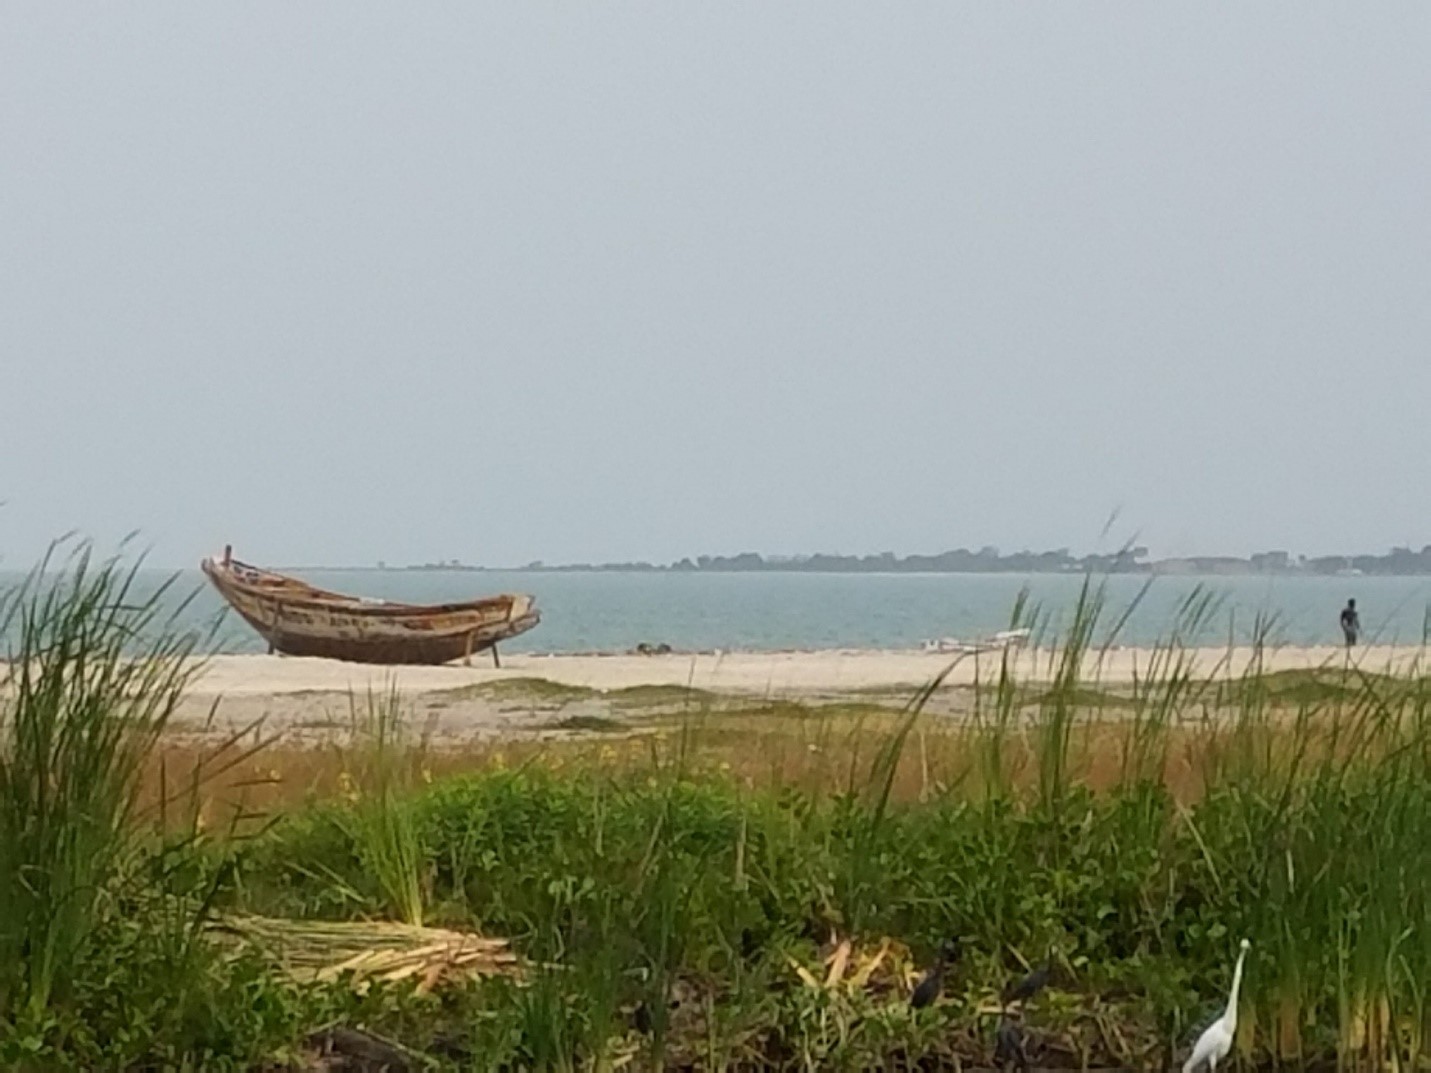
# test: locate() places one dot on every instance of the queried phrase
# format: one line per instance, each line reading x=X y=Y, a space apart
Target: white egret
x=1216 y=1041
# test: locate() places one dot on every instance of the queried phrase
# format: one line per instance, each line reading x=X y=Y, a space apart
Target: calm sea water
x=584 y=612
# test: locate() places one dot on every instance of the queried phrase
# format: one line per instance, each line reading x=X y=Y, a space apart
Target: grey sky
x=348 y=281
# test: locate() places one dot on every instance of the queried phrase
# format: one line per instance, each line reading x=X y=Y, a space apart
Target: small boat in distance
x=999 y=642
x=297 y=619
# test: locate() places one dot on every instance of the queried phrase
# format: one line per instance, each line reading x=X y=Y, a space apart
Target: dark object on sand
x=297 y=619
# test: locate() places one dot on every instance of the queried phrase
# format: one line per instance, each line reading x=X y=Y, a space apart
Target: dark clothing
x=1351 y=625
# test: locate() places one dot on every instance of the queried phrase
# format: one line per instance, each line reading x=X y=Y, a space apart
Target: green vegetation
x=520 y=691
x=656 y=696
x=679 y=911
x=101 y=961
x=378 y=819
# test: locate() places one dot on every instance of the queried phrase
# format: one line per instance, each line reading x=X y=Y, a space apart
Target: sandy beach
x=310 y=699
x=765 y=674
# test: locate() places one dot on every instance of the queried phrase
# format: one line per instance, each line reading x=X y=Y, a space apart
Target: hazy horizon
x=134 y=548
x=778 y=557
x=347 y=283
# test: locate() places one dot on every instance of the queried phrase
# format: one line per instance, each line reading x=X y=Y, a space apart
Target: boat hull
x=297 y=619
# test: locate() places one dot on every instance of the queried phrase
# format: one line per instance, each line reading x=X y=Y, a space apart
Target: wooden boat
x=297 y=619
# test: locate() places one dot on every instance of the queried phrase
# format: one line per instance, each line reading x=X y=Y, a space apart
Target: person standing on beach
x=1351 y=624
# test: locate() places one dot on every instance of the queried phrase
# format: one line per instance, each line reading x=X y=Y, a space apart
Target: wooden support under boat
x=297 y=619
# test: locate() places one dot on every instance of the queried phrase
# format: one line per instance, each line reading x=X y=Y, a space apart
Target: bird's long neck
x=1230 y=1015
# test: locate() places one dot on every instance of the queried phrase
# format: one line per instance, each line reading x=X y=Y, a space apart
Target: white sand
x=757 y=673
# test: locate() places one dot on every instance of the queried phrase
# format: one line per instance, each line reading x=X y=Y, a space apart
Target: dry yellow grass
x=317 y=951
x=818 y=751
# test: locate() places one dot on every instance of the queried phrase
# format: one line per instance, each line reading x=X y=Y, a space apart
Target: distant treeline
x=989 y=560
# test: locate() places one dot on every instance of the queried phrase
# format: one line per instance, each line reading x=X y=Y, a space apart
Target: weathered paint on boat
x=298 y=619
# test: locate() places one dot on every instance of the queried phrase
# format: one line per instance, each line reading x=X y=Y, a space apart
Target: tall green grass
x=85 y=700
x=383 y=767
x=102 y=963
x=1135 y=833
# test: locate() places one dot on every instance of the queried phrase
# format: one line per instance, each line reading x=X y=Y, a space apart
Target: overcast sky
x=340 y=282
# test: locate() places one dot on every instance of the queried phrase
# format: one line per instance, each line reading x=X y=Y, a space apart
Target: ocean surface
x=613 y=612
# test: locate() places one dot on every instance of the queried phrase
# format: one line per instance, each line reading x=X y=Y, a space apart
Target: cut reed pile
x=318 y=951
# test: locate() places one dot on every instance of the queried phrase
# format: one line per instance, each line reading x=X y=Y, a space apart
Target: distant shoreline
x=1398 y=562
x=1152 y=571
